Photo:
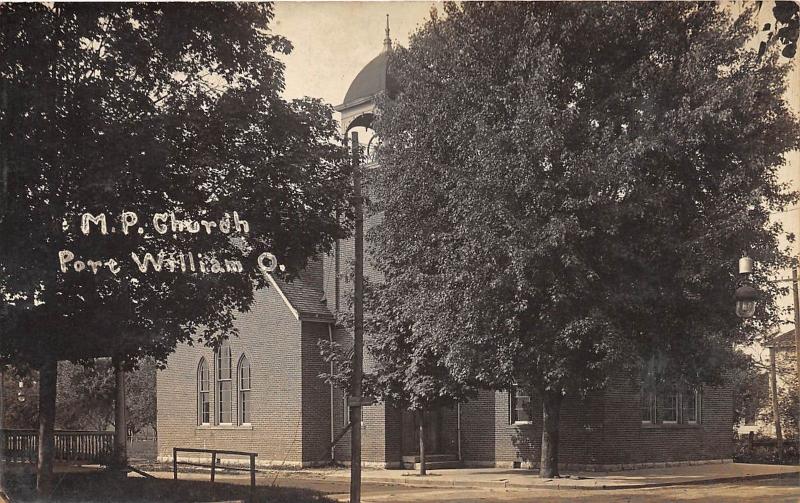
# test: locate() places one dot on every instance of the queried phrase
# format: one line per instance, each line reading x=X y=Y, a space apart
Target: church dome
x=370 y=81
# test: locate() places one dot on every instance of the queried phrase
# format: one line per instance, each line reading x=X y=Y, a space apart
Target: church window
x=519 y=407
x=668 y=407
x=203 y=393
x=671 y=407
x=245 y=404
x=691 y=406
x=224 y=384
x=648 y=407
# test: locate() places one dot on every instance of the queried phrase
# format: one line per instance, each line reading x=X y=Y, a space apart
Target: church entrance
x=433 y=432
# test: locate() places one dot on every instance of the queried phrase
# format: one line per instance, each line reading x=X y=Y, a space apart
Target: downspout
x=458 y=430
x=333 y=427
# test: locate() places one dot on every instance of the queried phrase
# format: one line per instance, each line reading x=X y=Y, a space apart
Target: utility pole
x=775 y=413
x=3 y=461
x=358 y=329
x=796 y=328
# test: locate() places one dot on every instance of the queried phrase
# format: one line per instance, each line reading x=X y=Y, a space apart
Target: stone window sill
x=224 y=427
x=520 y=423
x=671 y=426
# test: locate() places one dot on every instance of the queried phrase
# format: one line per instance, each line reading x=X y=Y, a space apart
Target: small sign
x=362 y=401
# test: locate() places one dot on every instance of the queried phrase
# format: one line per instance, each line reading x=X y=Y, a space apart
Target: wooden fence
x=215 y=453
x=91 y=447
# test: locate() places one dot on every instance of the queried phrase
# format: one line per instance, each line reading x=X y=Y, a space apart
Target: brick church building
x=261 y=392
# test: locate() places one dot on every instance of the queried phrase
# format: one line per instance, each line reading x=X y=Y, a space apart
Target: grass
x=102 y=487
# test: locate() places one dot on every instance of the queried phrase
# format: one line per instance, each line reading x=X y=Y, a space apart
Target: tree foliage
x=402 y=370
x=86 y=396
x=19 y=406
x=751 y=395
x=788 y=401
x=567 y=188
x=787 y=27
x=150 y=108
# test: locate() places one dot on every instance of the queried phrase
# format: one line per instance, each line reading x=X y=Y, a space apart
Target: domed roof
x=370 y=81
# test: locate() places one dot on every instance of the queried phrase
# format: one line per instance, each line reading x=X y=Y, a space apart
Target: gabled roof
x=304 y=296
x=783 y=341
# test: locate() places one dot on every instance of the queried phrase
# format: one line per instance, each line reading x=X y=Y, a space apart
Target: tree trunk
x=551 y=408
x=48 y=375
x=423 y=470
x=120 y=423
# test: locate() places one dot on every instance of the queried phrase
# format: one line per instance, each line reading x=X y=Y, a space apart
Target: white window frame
x=513 y=398
x=203 y=393
x=651 y=407
x=681 y=415
x=244 y=402
x=223 y=352
x=676 y=405
x=696 y=396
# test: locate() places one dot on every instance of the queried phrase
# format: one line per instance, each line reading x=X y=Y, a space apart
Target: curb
x=414 y=481
x=410 y=482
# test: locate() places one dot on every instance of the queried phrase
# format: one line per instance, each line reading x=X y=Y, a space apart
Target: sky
x=334 y=40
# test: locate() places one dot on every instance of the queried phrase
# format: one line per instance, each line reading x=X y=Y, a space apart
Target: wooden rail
x=92 y=447
x=214 y=465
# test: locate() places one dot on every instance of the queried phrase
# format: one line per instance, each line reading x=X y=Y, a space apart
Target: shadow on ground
x=101 y=487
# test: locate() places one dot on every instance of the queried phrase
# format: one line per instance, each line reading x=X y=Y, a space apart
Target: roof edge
x=283 y=296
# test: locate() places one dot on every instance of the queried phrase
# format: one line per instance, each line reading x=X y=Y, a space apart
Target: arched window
x=244 y=390
x=224 y=384
x=203 y=393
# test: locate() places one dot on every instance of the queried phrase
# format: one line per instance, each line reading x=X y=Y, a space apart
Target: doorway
x=433 y=432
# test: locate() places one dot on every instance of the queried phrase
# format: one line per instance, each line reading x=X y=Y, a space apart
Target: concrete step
x=433 y=462
x=434 y=465
x=431 y=457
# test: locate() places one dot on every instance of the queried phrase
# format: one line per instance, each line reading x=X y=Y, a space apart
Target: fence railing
x=214 y=453
x=94 y=447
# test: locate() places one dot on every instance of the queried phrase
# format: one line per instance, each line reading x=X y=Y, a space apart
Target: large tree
x=149 y=108
x=567 y=187
x=403 y=371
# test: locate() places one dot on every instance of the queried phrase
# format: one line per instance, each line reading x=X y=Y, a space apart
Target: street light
x=746 y=295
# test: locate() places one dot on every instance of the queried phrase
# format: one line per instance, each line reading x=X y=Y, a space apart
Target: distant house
x=785 y=354
x=262 y=391
x=760 y=419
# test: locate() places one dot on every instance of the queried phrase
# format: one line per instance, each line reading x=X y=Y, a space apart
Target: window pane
x=520 y=405
x=244 y=390
x=205 y=409
x=646 y=400
x=224 y=361
x=690 y=407
x=203 y=387
x=668 y=408
x=225 y=401
x=244 y=404
x=244 y=374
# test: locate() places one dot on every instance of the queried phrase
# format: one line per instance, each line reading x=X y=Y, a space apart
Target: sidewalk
x=519 y=478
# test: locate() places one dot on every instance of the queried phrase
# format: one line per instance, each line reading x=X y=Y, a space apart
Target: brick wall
x=270 y=337
x=604 y=431
x=316 y=395
x=627 y=441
